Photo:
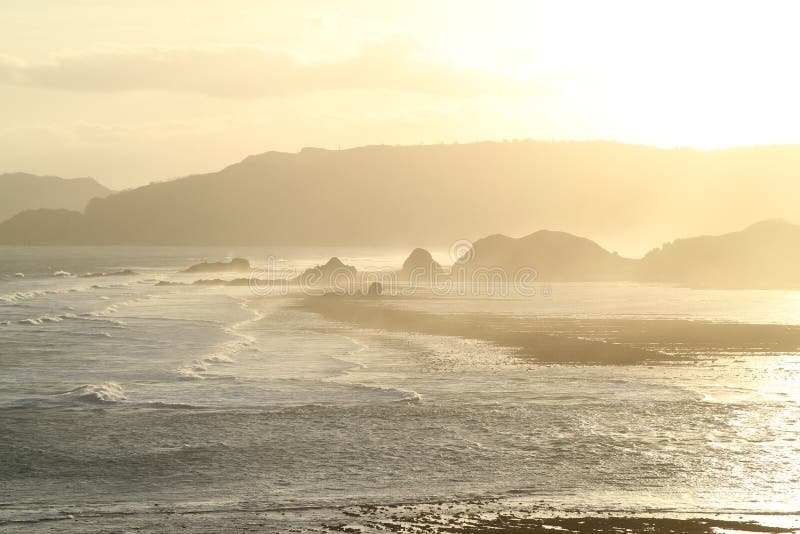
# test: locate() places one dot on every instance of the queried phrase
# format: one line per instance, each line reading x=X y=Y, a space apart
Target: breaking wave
x=107 y=392
x=218 y=358
x=47 y=319
x=22 y=295
x=189 y=373
x=26 y=295
x=44 y=319
x=195 y=370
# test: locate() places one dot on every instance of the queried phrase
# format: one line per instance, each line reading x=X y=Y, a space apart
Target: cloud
x=251 y=72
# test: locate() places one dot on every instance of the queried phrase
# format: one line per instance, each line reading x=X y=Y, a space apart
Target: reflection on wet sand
x=567 y=340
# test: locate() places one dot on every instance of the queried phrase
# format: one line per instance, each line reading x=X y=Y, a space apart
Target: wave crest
x=97 y=393
x=218 y=358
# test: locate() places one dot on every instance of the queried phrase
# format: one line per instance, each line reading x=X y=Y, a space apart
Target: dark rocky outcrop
x=234 y=265
x=554 y=256
x=420 y=267
x=764 y=255
x=375 y=289
x=333 y=274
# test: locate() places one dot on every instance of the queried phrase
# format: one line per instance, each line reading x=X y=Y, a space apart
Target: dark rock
x=420 y=266
x=375 y=289
x=236 y=264
x=334 y=274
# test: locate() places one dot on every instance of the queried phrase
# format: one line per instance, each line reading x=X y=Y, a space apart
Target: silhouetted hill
x=628 y=195
x=45 y=227
x=556 y=256
x=235 y=264
x=419 y=266
x=21 y=191
x=332 y=273
x=763 y=255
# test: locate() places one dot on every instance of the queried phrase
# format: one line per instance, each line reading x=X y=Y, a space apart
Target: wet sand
x=465 y=517
x=481 y=517
x=567 y=340
x=512 y=525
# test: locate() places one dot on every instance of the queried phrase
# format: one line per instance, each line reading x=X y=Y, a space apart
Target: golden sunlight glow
x=405 y=266
x=702 y=74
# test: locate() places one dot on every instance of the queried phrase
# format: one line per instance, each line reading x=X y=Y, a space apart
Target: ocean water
x=127 y=405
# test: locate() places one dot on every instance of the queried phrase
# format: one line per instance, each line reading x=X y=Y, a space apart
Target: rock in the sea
x=420 y=266
x=236 y=264
x=375 y=289
x=334 y=274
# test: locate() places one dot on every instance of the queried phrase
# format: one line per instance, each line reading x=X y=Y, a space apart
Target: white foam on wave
x=34 y=293
x=47 y=319
x=107 y=392
x=218 y=358
x=187 y=373
x=397 y=394
x=21 y=295
x=199 y=369
x=44 y=319
x=113 y=308
x=406 y=395
x=198 y=366
x=62 y=273
x=413 y=396
x=50 y=319
x=26 y=295
x=196 y=369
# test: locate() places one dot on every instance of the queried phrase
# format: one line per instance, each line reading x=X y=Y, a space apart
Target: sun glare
x=703 y=74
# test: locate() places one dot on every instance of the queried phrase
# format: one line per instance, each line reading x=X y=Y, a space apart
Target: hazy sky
x=135 y=91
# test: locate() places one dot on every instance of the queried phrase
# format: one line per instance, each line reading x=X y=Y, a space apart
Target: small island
x=234 y=265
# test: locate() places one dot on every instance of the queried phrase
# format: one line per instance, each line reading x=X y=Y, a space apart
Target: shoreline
x=566 y=340
x=468 y=516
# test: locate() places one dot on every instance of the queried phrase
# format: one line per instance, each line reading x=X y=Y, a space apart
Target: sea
x=128 y=405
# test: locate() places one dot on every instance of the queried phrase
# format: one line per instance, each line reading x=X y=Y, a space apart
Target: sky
x=131 y=92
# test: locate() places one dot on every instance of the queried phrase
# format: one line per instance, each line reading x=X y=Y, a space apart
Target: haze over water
x=361 y=266
x=121 y=400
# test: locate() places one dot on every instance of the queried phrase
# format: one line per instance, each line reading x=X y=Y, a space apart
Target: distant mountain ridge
x=22 y=191
x=765 y=255
x=433 y=194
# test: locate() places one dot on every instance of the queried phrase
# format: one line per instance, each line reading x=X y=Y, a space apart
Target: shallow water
x=128 y=404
